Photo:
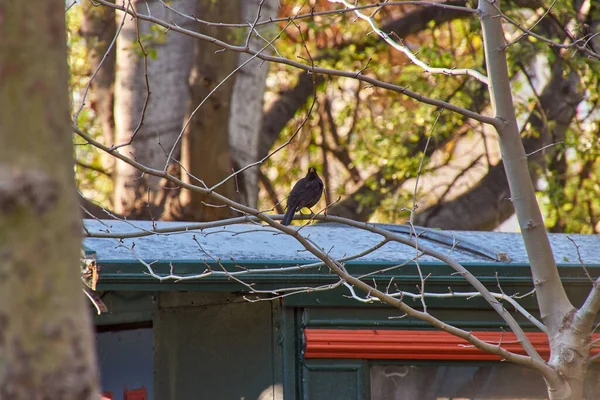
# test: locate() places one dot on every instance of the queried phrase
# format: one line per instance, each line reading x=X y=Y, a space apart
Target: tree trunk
x=206 y=151
x=245 y=120
x=98 y=29
x=46 y=346
x=569 y=346
x=168 y=67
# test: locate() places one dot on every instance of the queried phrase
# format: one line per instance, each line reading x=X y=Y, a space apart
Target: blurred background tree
x=366 y=143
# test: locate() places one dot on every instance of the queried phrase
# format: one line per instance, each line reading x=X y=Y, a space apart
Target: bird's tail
x=289 y=215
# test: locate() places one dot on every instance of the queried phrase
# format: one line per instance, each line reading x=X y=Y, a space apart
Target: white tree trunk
x=168 y=76
x=568 y=331
x=247 y=103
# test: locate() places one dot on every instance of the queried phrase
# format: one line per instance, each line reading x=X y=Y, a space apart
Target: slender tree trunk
x=245 y=120
x=569 y=346
x=46 y=346
x=98 y=29
x=206 y=149
x=168 y=66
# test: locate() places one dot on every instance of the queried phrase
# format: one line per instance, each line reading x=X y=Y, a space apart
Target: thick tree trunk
x=168 y=67
x=245 y=119
x=206 y=151
x=46 y=346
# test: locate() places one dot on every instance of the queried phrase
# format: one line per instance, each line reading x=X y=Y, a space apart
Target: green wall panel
x=215 y=346
x=334 y=379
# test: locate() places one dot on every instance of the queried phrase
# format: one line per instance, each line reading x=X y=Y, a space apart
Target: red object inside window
x=135 y=394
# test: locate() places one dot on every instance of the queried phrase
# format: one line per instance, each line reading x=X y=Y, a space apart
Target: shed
x=212 y=333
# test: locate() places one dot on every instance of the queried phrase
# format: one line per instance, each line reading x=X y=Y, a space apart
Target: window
x=498 y=381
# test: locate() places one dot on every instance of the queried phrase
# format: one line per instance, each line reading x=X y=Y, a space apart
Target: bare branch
x=439 y=4
x=532 y=26
x=452 y=294
x=315 y=70
x=404 y=49
x=585 y=316
x=580 y=44
x=535 y=361
x=193 y=113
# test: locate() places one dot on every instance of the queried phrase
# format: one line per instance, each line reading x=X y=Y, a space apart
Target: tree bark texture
x=46 y=345
x=206 y=153
x=169 y=61
x=569 y=346
x=247 y=101
x=98 y=28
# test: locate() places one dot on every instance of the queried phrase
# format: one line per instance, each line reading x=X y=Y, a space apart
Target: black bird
x=305 y=193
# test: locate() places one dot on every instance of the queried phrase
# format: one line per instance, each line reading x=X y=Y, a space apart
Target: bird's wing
x=310 y=194
x=297 y=190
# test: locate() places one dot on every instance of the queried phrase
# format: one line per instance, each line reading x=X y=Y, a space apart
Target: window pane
x=469 y=382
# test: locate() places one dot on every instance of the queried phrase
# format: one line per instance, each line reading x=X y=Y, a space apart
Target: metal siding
x=211 y=349
x=291 y=351
x=335 y=379
x=378 y=316
x=126 y=308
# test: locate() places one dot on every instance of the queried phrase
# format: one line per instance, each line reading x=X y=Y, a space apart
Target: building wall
x=216 y=346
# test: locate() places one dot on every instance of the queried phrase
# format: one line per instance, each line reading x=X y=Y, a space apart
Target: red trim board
x=413 y=344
